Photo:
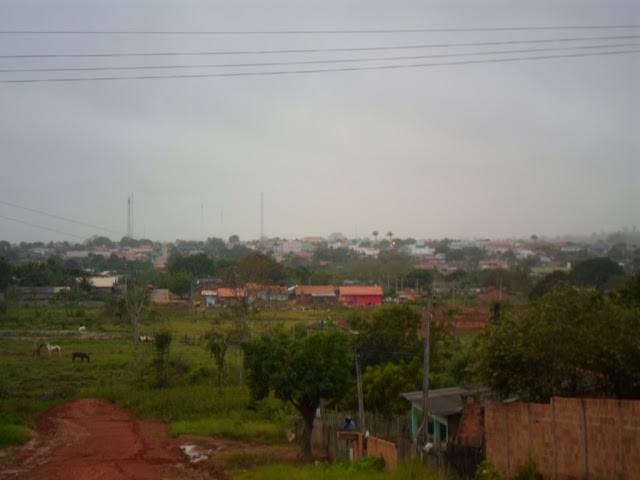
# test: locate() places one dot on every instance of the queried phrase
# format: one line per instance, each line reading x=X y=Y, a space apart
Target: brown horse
x=81 y=355
x=36 y=352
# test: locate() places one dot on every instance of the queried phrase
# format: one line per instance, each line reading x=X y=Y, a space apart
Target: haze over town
x=451 y=141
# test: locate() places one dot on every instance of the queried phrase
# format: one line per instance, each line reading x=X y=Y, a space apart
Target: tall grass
x=368 y=469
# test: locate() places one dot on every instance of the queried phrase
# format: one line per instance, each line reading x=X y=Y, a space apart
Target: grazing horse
x=145 y=339
x=53 y=348
x=36 y=352
x=82 y=329
x=81 y=355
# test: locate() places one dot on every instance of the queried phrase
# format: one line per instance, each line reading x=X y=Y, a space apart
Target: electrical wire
x=316 y=50
x=316 y=71
x=311 y=62
x=41 y=227
x=316 y=32
x=51 y=215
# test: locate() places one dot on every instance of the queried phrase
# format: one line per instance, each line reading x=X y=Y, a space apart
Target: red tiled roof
x=231 y=292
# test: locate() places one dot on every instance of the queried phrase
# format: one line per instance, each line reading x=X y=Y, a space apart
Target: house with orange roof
x=360 y=295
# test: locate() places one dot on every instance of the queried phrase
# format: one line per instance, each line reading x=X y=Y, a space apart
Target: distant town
x=403 y=268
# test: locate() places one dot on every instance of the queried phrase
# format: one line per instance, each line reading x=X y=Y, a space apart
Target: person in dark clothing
x=349 y=425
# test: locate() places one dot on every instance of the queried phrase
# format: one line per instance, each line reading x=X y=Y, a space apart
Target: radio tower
x=130 y=216
x=261 y=216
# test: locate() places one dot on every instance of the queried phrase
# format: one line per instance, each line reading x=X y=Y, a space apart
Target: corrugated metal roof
x=315 y=290
x=103 y=282
x=440 y=401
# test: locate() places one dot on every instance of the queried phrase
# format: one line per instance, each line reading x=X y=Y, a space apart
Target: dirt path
x=93 y=439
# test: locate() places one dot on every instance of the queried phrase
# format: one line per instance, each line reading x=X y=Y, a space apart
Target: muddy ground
x=93 y=439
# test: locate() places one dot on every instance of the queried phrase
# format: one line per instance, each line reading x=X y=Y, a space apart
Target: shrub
x=488 y=471
x=528 y=470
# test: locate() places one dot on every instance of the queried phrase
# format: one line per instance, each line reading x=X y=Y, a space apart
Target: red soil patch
x=94 y=439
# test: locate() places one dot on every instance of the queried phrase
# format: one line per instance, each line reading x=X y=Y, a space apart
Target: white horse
x=82 y=329
x=54 y=348
x=145 y=338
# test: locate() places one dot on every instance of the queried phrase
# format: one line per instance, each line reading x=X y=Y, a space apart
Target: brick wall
x=376 y=447
x=569 y=438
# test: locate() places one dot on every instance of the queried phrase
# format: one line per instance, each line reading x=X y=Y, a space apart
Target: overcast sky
x=476 y=149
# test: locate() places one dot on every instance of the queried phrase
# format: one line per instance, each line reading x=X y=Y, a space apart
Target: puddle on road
x=195 y=453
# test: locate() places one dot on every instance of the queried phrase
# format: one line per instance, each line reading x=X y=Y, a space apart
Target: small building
x=361 y=295
x=445 y=412
x=314 y=295
x=209 y=297
x=227 y=296
x=103 y=284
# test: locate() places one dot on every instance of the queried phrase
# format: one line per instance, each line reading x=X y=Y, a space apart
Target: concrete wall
x=569 y=438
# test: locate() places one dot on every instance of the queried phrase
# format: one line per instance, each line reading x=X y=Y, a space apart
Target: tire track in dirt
x=93 y=439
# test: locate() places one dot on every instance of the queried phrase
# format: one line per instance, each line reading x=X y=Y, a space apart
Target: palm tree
x=375 y=234
x=390 y=235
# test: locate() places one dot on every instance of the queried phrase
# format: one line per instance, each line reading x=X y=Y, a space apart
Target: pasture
x=194 y=398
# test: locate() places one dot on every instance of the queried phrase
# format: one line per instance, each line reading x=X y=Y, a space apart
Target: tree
x=136 y=300
x=6 y=272
x=389 y=336
x=383 y=384
x=568 y=342
x=198 y=266
x=597 y=272
x=375 y=234
x=548 y=283
x=180 y=283
x=217 y=346
x=302 y=371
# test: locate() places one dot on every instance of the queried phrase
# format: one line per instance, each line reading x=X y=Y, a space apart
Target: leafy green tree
x=198 y=266
x=550 y=281
x=420 y=277
x=382 y=385
x=629 y=293
x=259 y=269
x=391 y=335
x=302 y=371
x=597 y=272
x=565 y=343
x=136 y=301
x=6 y=273
x=180 y=283
x=217 y=346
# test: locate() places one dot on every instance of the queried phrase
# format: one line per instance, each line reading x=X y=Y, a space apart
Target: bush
x=528 y=470
x=488 y=471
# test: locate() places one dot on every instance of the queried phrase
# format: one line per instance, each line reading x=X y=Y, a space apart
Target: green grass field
x=195 y=399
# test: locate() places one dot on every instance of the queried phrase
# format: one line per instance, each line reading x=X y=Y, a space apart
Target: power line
x=51 y=215
x=313 y=32
x=311 y=62
x=316 y=50
x=41 y=227
x=315 y=71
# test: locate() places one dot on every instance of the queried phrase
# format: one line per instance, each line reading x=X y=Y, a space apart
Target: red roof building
x=361 y=295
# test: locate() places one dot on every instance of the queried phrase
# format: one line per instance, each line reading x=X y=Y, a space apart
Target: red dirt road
x=93 y=439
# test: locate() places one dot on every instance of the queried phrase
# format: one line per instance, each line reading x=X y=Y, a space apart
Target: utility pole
x=360 y=396
x=423 y=431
